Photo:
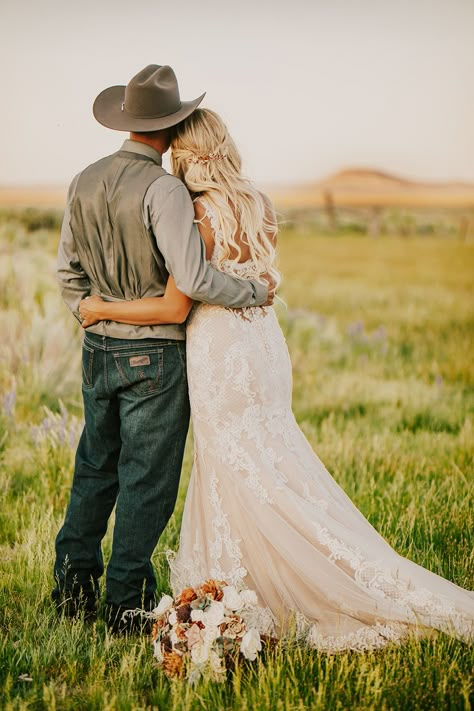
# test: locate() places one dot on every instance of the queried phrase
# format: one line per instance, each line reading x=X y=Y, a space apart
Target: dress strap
x=210 y=214
x=204 y=204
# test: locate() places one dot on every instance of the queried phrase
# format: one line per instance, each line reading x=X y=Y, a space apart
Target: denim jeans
x=136 y=410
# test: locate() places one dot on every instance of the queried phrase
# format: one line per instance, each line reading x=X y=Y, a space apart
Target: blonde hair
x=206 y=159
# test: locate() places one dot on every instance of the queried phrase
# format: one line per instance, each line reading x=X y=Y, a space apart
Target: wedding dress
x=262 y=512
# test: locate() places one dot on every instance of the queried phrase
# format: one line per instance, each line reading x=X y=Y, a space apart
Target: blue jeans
x=136 y=410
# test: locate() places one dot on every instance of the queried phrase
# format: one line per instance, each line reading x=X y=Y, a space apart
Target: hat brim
x=107 y=109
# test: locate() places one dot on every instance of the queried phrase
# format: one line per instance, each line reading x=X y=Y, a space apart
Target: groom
x=128 y=224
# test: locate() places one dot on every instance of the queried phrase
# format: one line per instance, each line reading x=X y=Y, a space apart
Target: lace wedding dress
x=262 y=512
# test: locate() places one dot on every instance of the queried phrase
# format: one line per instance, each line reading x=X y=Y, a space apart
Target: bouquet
x=205 y=630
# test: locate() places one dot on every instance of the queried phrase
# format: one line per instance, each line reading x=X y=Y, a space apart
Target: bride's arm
x=172 y=307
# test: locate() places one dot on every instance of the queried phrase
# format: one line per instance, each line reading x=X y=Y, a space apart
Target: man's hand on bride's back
x=89 y=309
x=272 y=284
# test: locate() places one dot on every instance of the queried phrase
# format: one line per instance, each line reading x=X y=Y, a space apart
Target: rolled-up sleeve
x=73 y=281
x=170 y=213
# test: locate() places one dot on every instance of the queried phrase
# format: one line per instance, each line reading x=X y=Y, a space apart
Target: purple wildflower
x=8 y=403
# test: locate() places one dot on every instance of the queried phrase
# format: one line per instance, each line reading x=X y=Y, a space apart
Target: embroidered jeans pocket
x=87 y=367
x=141 y=371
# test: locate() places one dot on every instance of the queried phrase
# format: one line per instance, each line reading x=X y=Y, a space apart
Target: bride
x=262 y=512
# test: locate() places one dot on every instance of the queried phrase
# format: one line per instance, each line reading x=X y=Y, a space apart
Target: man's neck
x=156 y=140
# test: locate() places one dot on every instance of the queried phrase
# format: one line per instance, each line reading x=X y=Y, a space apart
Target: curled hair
x=206 y=159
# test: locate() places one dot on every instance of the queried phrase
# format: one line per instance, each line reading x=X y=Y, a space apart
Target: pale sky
x=306 y=86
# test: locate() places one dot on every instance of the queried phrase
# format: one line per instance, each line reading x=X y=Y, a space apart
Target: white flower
x=165 y=604
x=249 y=598
x=174 y=639
x=251 y=644
x=231 y=599
x=173 y=618
x=214 y=614
x=157 y=651
x=197 y=615
x=200 y=653
x=210 y=633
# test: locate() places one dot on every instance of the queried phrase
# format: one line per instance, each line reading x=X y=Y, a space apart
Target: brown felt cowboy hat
x=149 y=102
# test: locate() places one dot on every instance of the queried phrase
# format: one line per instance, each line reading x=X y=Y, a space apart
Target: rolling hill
x=366 y=187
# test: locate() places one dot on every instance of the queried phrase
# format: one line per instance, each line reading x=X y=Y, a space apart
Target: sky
x=306 y=87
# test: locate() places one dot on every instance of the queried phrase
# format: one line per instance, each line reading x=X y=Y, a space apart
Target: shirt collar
x=142 y=148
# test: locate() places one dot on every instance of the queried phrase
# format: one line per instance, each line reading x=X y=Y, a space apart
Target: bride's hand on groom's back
x=89 y=309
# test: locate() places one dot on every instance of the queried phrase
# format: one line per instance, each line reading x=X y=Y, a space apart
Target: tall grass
x=380 y=335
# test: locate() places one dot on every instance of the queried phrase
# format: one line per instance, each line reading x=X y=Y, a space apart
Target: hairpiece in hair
x=215 y=155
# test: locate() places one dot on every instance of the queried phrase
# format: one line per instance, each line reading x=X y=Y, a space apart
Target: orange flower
x=188 y=595
x=180 y=632
x=173 y=665
x=213 y=588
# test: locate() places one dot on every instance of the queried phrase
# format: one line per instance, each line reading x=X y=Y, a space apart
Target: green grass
x=381 y=338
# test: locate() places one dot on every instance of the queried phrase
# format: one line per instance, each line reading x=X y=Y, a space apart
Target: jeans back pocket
x=141 y=371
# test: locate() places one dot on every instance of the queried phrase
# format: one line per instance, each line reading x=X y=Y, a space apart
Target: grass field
x=381 y=337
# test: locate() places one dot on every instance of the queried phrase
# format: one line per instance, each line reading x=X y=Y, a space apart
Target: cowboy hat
x=149 y=102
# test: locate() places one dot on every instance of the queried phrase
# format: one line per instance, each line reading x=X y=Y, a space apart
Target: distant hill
x=366 y=187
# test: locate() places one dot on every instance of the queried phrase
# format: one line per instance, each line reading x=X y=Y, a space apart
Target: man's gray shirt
x=168 y=215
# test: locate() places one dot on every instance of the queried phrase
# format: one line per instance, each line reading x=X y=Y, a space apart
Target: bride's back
x=212 y=225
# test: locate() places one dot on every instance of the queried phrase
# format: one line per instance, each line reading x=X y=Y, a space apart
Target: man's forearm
x=171 y=218
x=214 y=287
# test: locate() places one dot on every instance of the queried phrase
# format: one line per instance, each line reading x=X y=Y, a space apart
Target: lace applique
x=223 y=543
x=247 y=313
x=260 y=618
x=188 y=572
x=320 y=503
x=374 y=637
x=279 y=423
x=238 y=371
x=244 y=270
x=417 y=602
x=338 y=549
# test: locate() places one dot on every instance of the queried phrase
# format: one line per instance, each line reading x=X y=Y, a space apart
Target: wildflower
x=8 y=403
